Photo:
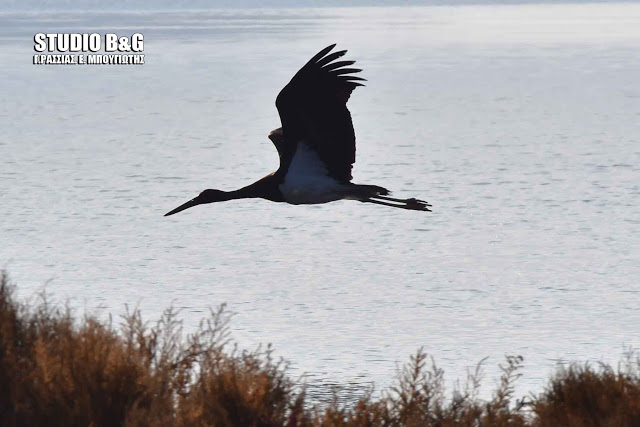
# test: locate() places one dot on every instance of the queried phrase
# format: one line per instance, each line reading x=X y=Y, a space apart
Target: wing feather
x=312 y=108
x=337 y=64
x=335 y=55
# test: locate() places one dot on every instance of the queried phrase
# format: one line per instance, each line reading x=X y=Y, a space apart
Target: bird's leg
x=408 y=201
x=411 y=204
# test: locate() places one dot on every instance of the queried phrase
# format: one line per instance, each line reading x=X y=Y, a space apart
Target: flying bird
x=316 y=143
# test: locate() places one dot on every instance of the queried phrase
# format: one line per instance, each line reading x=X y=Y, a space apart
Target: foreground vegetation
x=59 y=371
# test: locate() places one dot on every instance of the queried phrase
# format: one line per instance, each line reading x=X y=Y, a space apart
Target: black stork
x=316 y=143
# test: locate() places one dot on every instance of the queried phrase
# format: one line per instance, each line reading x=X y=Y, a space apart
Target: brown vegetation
x=55 y=370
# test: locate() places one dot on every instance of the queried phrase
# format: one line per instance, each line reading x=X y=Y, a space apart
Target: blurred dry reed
x=56 y=370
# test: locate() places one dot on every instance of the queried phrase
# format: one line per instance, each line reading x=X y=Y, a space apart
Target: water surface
x=519 y=124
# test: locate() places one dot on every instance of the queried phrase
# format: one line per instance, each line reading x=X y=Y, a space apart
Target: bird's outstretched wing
x=313 y=109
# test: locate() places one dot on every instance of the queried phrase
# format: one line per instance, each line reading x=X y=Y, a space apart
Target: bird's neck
x=265 y=188
x=242 y=193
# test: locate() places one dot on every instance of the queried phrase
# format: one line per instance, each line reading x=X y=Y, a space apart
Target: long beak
x=189 y=204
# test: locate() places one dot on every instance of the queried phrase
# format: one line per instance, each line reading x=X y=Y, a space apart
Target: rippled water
x=519 y=124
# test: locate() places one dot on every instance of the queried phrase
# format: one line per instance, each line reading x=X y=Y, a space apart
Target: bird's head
x=207 y=196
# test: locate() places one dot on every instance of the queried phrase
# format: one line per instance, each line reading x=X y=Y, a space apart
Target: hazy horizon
x=139 y=5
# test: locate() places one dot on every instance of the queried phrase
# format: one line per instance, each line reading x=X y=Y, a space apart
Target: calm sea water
x=518 y=123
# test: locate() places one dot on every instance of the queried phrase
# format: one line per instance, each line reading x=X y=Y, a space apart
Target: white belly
x=307 y=182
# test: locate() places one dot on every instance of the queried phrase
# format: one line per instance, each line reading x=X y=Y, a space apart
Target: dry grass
x=583 y=395
x=57 y=370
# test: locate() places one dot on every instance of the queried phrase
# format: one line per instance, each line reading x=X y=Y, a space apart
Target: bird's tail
x=366 y=191
x=363 y=192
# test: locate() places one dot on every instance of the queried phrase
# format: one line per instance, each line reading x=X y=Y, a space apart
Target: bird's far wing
x=278 y=141
x=313 y=109
x=285 y=150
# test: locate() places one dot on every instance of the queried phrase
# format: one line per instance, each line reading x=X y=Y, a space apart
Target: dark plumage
x=316 y=143
x=313 y=107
